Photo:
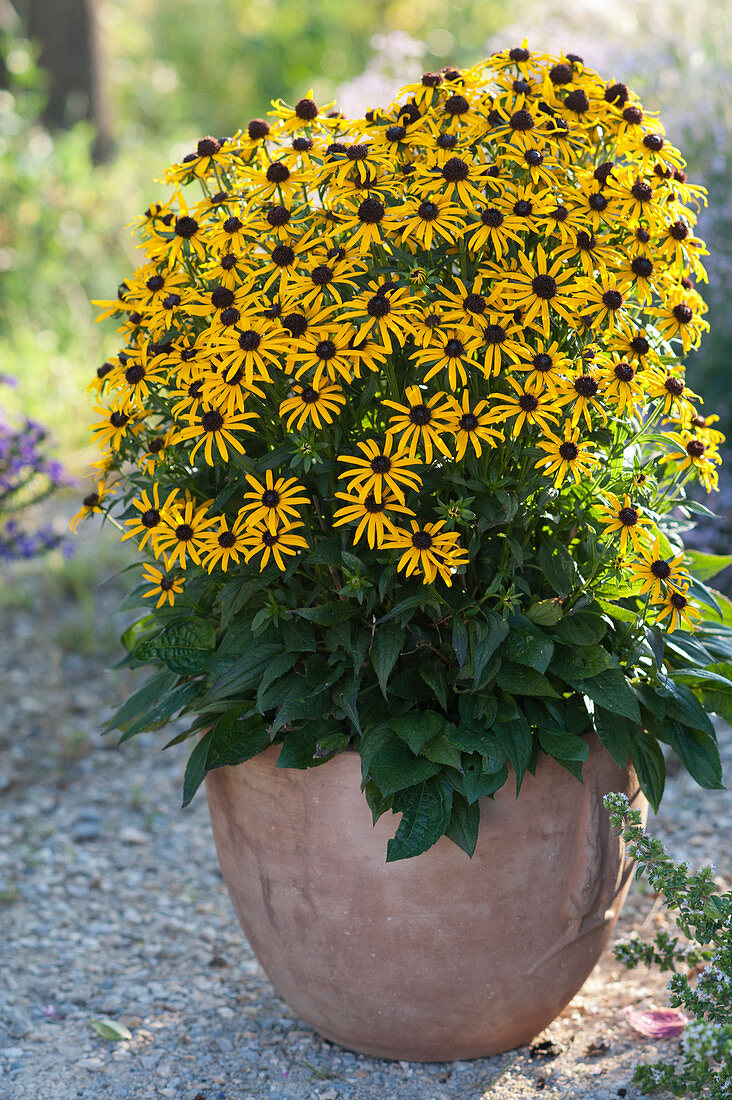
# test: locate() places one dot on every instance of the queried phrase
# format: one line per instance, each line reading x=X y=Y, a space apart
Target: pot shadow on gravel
x=113 y=907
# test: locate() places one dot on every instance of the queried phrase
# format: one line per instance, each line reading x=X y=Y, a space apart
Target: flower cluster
x=27 y=476
x=503 y=259
x=413 y=384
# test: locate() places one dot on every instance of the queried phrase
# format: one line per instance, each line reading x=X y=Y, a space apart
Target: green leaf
x=377 y=803
x=477 y=782
x=388 y=642
x=545 y=612
x=558 y=567
x=395 y=767
x=613 y=733
x=683 y=705
x=459 y=640
x=313 y=744
x=110 y=1029
x=196 y=768
x=582 y=628
x=134 y=633
x=612 y=691
x=486 y=641
x=163 y=710
x=440 y=750
x=298 y=636
x=426 y=811
x=141 y=700
x=236 y=737
x=698 y=753
x=327 y=614
x=185 y=646
x=417 y=727
x=434 y=676
x=514 y=738
x=528 y=647
x=649 y=765
x=464 y=824
x=706 y=566
x=277 y=667
x=620 y=614
x=522 y=680
x=563 y=745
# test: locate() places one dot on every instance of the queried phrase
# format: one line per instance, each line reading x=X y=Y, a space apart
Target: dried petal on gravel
x=657 y=1023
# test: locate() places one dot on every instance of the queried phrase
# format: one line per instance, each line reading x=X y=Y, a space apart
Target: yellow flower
x=694 y=453
x=284 y=541
x=317 y=403
x=526 y=406
x=183 y=533
x=625 y=519
x=368 y=512
x=273 y=502
x=658 y=574
x=216 y=426
x=383 y=311
x=679 y=611
x=453 y=351
x=541 y=289
x=226 y=544
x=151 y=514
x=424 y=421
x=565 y=455
x=428 y=216
x=582 y=392
x=428 y=550
x=92 y=503
x=166 y=585
x=380 y=468
x=473 y=425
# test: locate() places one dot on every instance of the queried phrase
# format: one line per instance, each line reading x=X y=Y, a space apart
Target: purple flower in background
x=27 y=476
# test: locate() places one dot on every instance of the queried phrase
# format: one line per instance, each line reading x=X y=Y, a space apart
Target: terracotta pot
x=433 y=958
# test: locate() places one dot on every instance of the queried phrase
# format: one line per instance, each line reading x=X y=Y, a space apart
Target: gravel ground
x=112 y=905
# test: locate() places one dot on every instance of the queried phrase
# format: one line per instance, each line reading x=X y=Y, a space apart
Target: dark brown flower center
x=642 y=266
x=624 y=372
x=306 y=110
x=249 y=340
x=642 y=191
x=586 y=386
x=226 y=540
x=371 y=211
x=682 y=313
x=544 y=287
x=322 y=275
x=695 y=448
x=378 y=306
x=381 y=464
x=428 y=211
x=660 y=569
x=184 y=532
x=678 y=601
x=186 y=227
x=469 y=422
x=568 y=451
x=150 y=518
x=528 y=402
x=270 y=498
x=492 y=218
x=421 y=540
x=222 y=297
x=212 y=421
x=612 y=299
x=420 y=415
x=628 y=516
x=577 y=102
x=325 y=350
x=455 y=170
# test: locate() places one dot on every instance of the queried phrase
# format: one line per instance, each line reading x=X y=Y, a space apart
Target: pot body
x=434 y=958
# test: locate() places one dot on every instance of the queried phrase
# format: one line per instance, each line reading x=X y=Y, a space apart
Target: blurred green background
x=97 y=97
